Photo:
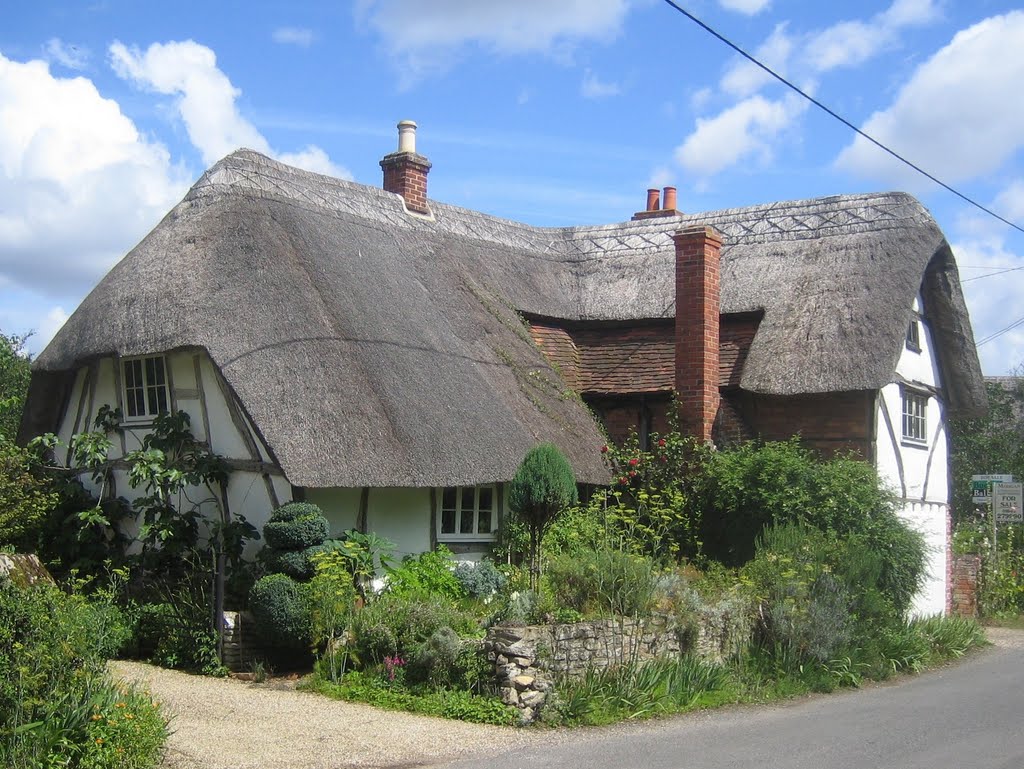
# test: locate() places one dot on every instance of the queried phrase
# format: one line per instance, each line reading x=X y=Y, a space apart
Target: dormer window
x=914 y=335
x=145 y=390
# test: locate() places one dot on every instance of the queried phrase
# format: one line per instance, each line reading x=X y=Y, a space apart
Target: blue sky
x=547 y=112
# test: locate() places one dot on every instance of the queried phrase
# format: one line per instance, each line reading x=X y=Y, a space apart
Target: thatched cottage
x=392 y=358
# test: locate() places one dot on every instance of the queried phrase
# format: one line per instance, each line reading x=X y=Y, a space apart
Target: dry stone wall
x=529 y=659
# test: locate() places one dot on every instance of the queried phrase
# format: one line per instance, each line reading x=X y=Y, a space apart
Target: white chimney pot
x=407 y=137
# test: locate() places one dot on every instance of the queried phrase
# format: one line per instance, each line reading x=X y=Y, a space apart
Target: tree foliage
x=14 y=375
x=543 y=486
x=993 y=443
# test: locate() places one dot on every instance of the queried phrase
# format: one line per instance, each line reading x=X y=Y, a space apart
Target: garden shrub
x=282 y=607
x=58 y=705
x=431 y=572
x=397 y=625
x=332 y=604
x=805 y=608
x=480 y=579
x=603 y=582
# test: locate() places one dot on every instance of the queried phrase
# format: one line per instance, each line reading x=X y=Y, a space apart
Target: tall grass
x=637 y=690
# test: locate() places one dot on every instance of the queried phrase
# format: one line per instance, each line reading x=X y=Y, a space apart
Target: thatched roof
x=372 y=347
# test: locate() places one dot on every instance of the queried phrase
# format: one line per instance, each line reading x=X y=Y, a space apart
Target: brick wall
x=829 y=422
x=964 y=585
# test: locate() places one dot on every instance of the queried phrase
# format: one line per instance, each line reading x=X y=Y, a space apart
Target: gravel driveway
x=228 y=724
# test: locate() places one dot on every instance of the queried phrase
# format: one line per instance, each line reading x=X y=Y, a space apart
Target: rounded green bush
x=292 y=510
x=281 y=605
x=298 y=534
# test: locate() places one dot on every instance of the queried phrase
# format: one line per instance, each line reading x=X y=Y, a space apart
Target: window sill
x=910 y=443
x=488 y=539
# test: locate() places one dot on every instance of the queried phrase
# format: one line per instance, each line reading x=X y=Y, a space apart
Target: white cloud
x=79 y=185
x=993 y=302
x=1010 y=202
x=70 y=56
x=299 y=36
x=911 y=13
x=745 y=130
x=595 y=88
x=748 y=7
x=51 y=324
x=428 y=37
x=956 y=116
x=744 y=77
x=206 y=101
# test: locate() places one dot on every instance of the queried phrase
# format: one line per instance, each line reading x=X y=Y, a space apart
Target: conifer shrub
x=543 y=487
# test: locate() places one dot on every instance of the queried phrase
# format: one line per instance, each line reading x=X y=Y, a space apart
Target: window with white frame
x=915 y=413
x=144 y=381
x=467 y=512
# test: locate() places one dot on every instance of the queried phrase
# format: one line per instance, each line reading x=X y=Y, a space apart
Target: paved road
x=969 y=715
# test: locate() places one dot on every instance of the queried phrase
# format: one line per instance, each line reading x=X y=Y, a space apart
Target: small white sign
x=993 y=478
x=1006 y=502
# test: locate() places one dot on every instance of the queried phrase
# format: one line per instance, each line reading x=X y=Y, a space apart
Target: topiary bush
x=282 y=607
x=296 y=533
x=297 y=564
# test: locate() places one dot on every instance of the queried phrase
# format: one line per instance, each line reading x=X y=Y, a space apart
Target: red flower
x=634 y=462
x=623 y=480
x=604 y=449
x=661 y=443
x=632 y=473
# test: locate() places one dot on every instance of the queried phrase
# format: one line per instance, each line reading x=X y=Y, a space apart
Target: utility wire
x=990 y=274
x=838 y=117
x=990 y=337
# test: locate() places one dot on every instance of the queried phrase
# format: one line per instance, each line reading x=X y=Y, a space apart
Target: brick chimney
x=657 y=206
x=698 y=306
x=405 y=172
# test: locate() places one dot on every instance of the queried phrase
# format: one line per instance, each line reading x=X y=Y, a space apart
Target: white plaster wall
x=403 y=516
x=919 y=474
x=340 y=506
x=247 y=490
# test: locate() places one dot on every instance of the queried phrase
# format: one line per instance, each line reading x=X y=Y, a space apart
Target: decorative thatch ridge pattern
x=375 y=348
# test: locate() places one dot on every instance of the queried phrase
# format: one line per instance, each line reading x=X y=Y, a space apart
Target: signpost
x=981 y=487
x=1004 y=499
x=1006 y=502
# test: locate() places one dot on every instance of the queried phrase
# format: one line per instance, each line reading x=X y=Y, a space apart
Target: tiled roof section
x=635 y=359
x=638 y=359
x=559 y=348
x=735 y=338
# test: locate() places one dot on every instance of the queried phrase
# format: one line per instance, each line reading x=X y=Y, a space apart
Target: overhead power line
x=990 y=274
x=1000 y=332
x=837 y=116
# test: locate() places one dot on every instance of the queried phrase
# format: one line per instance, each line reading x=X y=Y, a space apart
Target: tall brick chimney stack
x=405 y=172
x=698 y=306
